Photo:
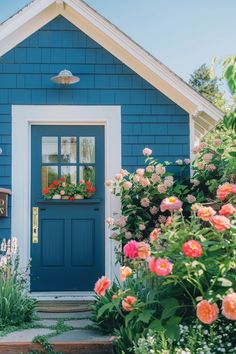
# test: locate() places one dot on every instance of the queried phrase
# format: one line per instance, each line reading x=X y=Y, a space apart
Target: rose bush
x=177 y=258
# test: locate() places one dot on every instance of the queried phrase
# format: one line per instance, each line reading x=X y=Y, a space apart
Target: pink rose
x=161 y=266
x=147 y=152
x=109 y=183
x=140 y=171
x=144 y=182
x=131 y=249
x=171 y=204
x=150 y=169
x=127 y=185
x=118 y=177
x=145 y=202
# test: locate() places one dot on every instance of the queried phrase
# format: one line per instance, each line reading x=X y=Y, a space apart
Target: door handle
x=35 y=225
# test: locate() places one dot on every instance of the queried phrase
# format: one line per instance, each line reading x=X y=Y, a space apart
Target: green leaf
x=175 y=320
x=104 y=308
x=232 y=153
x=170 y=306
x=129 y=317
x=145 y=316
x=156 y=325
x=172 y=332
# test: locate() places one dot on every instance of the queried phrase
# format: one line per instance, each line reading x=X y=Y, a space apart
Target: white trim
x=22 y=119
x=39 y=12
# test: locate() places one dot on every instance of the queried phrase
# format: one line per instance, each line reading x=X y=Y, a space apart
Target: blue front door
x=69 y=252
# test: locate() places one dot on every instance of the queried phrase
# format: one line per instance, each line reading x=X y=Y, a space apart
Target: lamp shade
x=65 y=77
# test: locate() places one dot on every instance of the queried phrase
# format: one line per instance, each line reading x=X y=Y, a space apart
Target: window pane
x=69 y=172
x=68 y=149
x=87 y=173
x=49 y=149
x=49 y=174
x=87 y=149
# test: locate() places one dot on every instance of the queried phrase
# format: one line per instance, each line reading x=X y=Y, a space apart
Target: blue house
x=124 y=101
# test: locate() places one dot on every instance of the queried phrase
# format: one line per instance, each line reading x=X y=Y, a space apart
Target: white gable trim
x=23 y=117
x=40 y=12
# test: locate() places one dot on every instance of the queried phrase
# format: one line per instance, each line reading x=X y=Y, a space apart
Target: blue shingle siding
x=149 y=118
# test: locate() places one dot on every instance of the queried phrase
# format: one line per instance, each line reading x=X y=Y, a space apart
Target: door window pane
x=69 y=172
x=49 y=149
x=87 y=173
x=87 y=149
x=49 y=174
x=68 y=149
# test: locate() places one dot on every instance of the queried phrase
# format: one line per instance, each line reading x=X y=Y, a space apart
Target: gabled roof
x=40 y=12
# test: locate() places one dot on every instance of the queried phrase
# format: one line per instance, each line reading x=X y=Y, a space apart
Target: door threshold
x=63 y=296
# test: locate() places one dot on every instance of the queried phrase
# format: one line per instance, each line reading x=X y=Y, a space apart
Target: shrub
x=178 y=266
x=196 y=338
x=16 y=307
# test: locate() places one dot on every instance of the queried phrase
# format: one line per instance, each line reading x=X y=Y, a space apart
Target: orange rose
x=206 y=312
x=229 y=306
x=227 y=209
x=224 y=190
x=125 y=272
x=143 y=250
x=220 y=223
x=128 y=303
x=205 y=213
x=102 y=285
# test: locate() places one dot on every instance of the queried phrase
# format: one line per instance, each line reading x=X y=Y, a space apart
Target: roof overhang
x=39 y=12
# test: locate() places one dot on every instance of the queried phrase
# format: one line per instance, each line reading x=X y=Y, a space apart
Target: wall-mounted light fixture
x=65 y=77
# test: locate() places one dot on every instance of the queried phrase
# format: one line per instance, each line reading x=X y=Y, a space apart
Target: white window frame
x=23 y=117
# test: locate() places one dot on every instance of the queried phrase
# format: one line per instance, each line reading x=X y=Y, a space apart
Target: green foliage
x=207 y=84
x=16 y=306
x=195 y=338
x=218 y=169
x=104 y=311
x=229 y=66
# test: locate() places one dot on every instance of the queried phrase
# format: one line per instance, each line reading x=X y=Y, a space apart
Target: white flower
x=179 y=162
x=195 y=182
x=128 y=235
x=3 y=261
x=14 y=245
x=3 y=245
x=190 y=198
x=187 y=161
x=142 y=227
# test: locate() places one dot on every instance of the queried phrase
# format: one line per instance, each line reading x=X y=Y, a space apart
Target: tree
x=207 y=84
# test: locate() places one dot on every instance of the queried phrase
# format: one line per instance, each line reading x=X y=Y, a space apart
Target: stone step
x=58 y=305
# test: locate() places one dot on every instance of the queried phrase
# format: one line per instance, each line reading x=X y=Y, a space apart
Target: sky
x=183 y=34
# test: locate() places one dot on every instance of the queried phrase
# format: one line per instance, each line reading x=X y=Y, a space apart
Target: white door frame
x=22 y=118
